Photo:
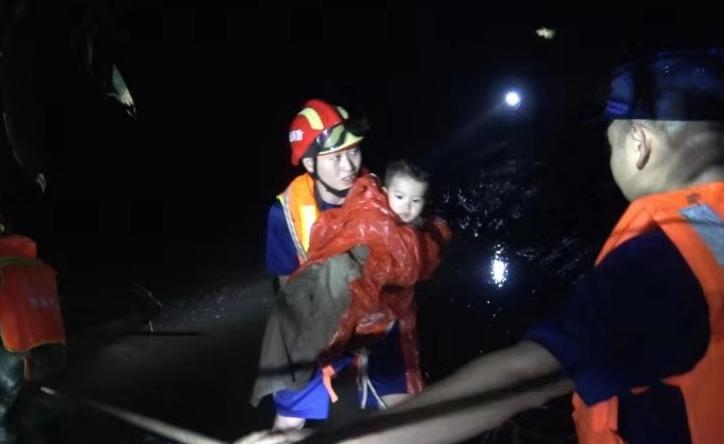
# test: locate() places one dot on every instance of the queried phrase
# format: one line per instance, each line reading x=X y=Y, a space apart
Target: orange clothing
x=399 y=255
x=30 y=313
x=692 y=219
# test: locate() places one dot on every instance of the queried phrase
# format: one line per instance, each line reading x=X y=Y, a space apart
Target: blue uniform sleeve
x=638 y=317
x=281 y=256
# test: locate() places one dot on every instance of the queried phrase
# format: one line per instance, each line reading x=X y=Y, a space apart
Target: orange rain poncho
x=30 y=313
x=398 y=256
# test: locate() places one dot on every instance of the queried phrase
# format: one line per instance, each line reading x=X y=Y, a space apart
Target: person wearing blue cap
x=641 y=338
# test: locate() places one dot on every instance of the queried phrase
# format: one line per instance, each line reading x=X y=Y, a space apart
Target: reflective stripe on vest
x=710 y=228
x=19 y=261
x=30 y=313
x=300 y=212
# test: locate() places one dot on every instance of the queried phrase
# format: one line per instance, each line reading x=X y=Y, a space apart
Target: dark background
x=176 y=199
x=180 y=192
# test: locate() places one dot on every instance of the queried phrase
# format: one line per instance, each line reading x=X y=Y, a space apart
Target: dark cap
x=670 y=85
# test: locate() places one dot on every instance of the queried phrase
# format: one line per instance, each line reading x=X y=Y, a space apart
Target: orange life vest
x=30 y=312
x=693 y=219
x=300 y=212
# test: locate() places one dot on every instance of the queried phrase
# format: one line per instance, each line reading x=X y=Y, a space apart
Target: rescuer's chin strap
x=336 y=192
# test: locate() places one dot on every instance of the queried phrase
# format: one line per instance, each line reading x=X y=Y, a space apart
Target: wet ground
x=193 y=365
x=191 y=368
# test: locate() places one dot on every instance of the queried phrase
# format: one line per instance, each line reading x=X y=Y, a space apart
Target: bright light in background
x=545 y=33
x=499 y=268
x=512 y=99
x=499 y=272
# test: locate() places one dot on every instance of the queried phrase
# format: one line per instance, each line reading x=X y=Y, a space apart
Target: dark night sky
x=216 y=88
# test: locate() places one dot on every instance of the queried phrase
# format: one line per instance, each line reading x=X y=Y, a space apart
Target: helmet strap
x=337 y=192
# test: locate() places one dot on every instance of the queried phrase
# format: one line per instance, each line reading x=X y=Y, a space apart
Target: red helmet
x=321 y=128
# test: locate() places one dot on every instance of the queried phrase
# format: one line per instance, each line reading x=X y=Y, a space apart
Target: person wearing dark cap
x=641 y=338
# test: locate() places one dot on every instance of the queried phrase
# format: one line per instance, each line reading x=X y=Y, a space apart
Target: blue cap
x=671 y=85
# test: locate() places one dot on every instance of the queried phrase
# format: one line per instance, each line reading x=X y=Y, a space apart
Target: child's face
x=406 y=197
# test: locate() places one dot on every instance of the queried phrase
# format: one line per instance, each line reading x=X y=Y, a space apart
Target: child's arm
x=434 y=236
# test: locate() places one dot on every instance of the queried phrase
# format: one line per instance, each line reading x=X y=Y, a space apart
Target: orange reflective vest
x=694 y=221
x=300 y=211
x=30 y=312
